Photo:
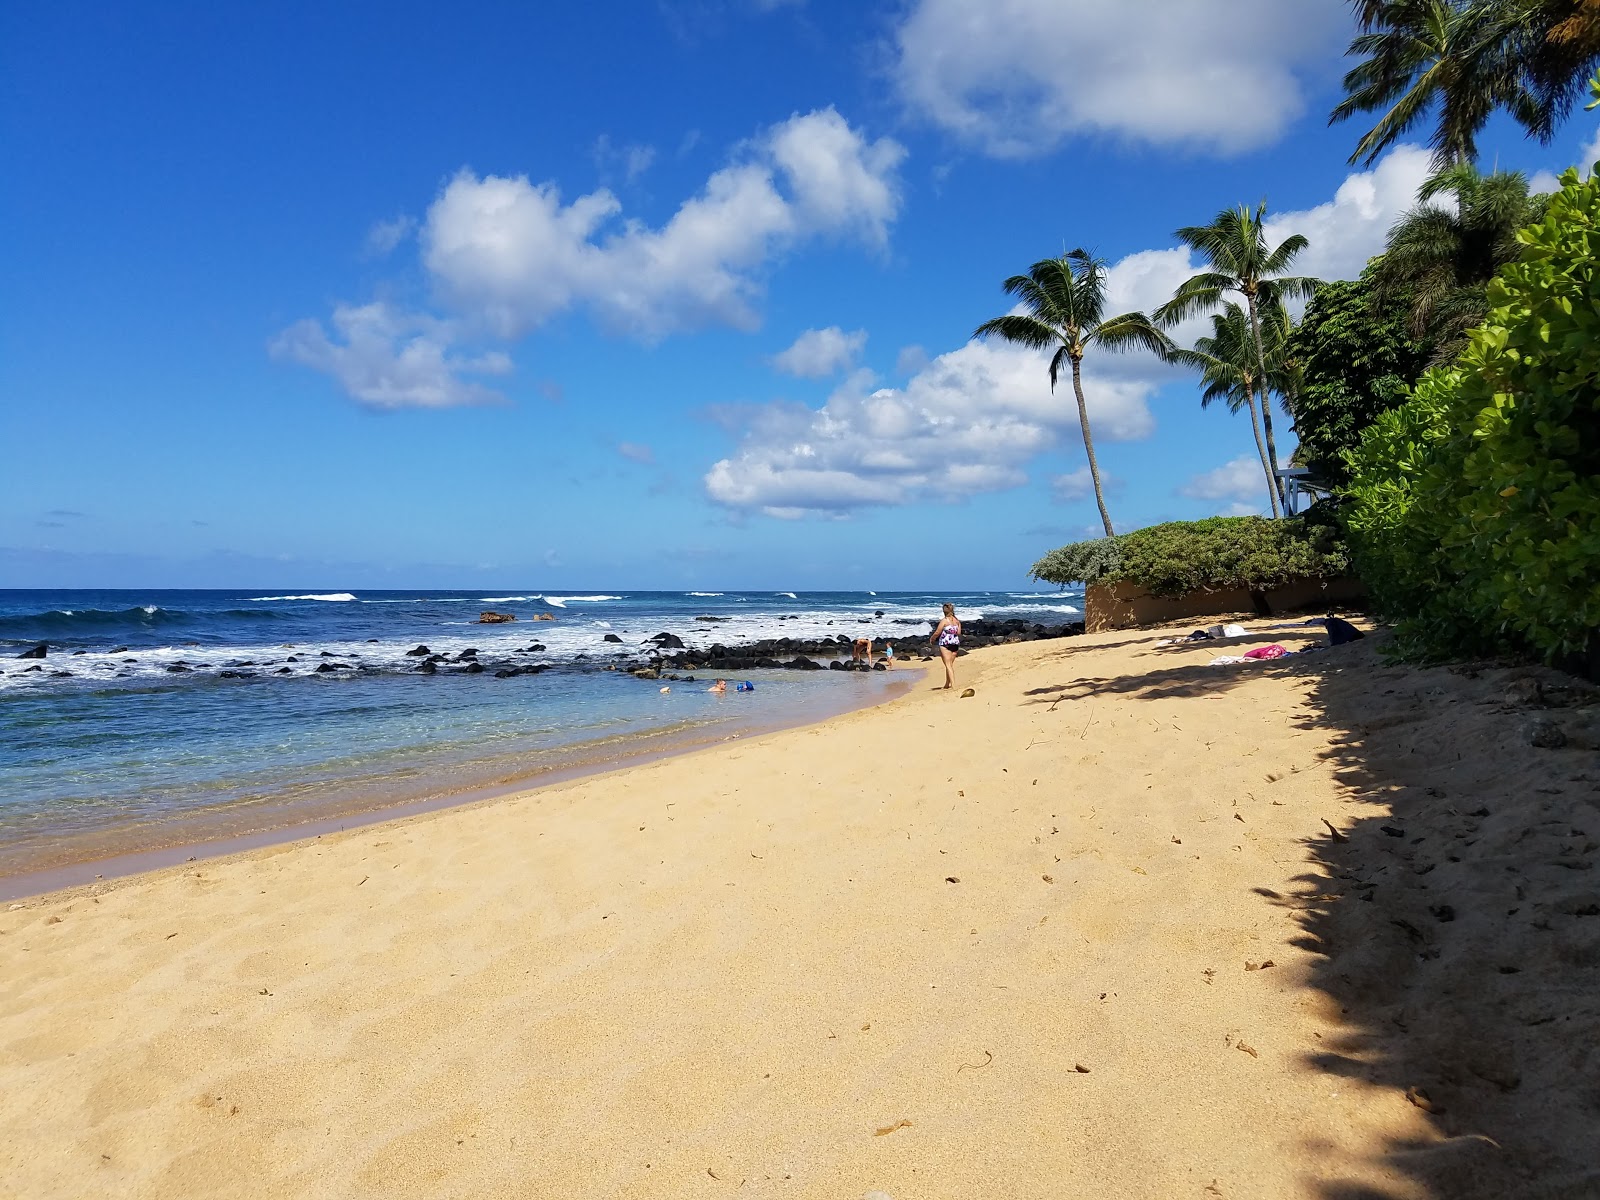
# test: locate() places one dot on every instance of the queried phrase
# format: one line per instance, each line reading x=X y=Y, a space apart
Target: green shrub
x=1211 y=555
x=1357 y=359
x=1474 y=509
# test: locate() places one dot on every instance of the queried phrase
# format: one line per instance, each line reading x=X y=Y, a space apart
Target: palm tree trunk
x=1088 y=448
x=1261 y=449
x=1266 y=405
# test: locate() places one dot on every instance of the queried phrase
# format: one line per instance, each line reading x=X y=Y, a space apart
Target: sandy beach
x=1085 y=933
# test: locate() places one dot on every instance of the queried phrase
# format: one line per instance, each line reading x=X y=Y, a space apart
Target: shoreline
x=1068 y=936
x=221 y=831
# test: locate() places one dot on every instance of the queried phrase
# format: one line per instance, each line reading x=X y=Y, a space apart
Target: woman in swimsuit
x=947 y=636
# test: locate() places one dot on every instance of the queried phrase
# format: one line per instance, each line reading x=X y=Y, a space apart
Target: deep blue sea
x=101 y=742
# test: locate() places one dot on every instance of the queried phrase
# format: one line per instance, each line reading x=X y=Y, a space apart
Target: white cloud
x=506 y=255
x=388 y=359
x=1015 y=77
x=384 y=236
x=1240 y=483
x=636 y=452
x=1352 y=227
x=965 y=424
x=910 y=360
x=510 y=252
x=819 y=352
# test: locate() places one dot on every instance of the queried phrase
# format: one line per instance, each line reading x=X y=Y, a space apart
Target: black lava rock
x=419 y=652
x=38 y=651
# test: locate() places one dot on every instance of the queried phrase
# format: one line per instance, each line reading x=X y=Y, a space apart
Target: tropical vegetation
x=1357 y=358
x=1063 y=302
x=1442 y=256
x=1449 y=398
x=1229 y=368
x=1239 y=259
x=1461 y=61
x=1474 y=508
x=1216 y=554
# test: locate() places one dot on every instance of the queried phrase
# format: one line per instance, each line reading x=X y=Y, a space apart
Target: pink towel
x=1272 y=651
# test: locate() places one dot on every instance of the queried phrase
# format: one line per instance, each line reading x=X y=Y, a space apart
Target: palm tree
x=1226 y=360
x=1464 y=59
x=1444 y=257
x=1235 y=251
x=1063 y=302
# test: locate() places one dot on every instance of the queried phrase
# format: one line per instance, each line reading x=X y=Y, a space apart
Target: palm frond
x=1131 y=331
x=1020 y=329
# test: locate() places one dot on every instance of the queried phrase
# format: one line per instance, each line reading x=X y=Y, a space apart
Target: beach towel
x=1228 y=660
x=1272 y=651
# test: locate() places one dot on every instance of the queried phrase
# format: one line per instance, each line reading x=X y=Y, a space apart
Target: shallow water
x=129 y=751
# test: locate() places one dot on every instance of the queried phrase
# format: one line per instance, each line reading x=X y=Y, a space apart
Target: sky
x=638 y=295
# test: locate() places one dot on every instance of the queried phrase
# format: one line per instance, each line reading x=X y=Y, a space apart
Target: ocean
x=163 y=718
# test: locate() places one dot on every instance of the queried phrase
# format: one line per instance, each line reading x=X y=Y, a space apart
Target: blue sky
x=625 y=296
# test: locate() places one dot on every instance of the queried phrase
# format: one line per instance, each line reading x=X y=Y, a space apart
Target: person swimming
x=719 y=688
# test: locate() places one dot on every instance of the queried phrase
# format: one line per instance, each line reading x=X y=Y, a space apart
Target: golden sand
x=1085 y=934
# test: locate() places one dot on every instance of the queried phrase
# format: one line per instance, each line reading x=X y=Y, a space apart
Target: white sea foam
x=506 y=599
x=791 y=595
x=563 y=601
x=326 y=596
x=990 y=612
x=702 y=593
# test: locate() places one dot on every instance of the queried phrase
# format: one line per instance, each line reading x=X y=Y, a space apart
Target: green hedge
x=1474 y=509
x=1211 y=555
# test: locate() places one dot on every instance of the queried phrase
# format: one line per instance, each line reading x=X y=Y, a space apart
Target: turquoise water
x=101 y=740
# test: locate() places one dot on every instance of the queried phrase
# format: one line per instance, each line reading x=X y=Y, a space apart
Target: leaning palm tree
x=1455 y=59
x=1238 y=259
x=1226 y=360
x=1063 y=302
x=1442 y=257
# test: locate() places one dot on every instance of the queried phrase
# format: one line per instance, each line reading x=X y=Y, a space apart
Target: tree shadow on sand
x=1458 y=925
x=1452 y=909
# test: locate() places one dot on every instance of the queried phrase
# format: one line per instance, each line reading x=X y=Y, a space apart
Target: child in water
x=719 y=688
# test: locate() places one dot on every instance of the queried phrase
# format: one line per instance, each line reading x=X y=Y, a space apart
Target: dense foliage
x=1210 y=555
x=1439 y=259
x=1455 y=63
x=1474 y=509
x=1356 y=359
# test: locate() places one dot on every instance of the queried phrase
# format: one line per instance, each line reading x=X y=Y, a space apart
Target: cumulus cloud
x=513 y=253
x=1015 y=77
x=387 y=359
x=965 y=424
x=910 y=360
x=819 y=352
x=505 y=255
x=1351 y=228
x=1238 y=484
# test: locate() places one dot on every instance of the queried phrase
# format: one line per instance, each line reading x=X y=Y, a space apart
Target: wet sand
x=1084 y=933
